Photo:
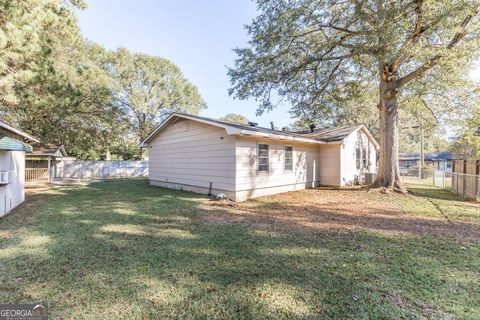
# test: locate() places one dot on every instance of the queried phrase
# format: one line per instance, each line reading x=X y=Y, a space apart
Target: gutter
x=243 y=132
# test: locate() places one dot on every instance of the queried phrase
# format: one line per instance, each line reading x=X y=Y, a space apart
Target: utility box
x=370 y=178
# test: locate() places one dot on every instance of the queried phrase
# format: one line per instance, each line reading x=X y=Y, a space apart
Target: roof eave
x=243 y=132
x=18 y=131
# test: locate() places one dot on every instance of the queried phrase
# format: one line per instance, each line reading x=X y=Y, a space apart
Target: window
x=288 y=158
x=409 y=164
x=358 y=157
x=364 y=157
x=263 y=157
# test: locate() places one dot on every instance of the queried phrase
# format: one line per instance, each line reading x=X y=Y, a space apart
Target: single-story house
x=13 y=145
x=210 y=156
x=42 y=162
x=440 y=160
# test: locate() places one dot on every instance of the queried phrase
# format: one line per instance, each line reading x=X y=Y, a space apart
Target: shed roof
x=49 y=149
x=11 y=144
x=15 y=130
x=320 y=136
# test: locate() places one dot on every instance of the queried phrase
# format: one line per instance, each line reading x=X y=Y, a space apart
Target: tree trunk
x=388 y=167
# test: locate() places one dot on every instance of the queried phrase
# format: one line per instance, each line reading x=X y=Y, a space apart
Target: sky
x=198 y=36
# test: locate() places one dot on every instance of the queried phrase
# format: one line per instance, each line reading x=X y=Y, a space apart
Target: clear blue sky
x=196 y=35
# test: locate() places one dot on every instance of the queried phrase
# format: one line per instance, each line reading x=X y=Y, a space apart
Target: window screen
x=289 y=158
x=358 y=157
x=263 y=157
x=365 y=157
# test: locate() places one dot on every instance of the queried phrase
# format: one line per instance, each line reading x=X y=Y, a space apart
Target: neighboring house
x=244 y=161
x=13 y=145
x=42 y=163
x=440 y=160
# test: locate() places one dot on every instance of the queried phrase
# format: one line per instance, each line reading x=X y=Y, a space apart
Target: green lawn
x=123 y=249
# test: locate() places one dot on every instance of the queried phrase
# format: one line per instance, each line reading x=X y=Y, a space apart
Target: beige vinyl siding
x=329 y=169
x=253 y=183
x=190 y=155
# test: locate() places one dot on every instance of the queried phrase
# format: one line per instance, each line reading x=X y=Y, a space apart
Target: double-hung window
x=288 y=158
x=263 y=157
x=358 y=157
x=365 y=157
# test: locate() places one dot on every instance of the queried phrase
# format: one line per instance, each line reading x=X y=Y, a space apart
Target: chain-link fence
x=459 y=183
x=426 y=176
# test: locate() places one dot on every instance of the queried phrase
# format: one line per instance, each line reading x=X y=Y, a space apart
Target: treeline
x=64 y=89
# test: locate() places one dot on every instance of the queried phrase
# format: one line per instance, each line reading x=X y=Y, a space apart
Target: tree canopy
x=313 y=54
x=64 y=89
x=235 y=117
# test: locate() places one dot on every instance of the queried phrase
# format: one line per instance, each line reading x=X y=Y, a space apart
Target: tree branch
x=434 y=60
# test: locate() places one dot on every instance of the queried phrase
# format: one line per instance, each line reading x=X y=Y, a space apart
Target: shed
x=14 y=143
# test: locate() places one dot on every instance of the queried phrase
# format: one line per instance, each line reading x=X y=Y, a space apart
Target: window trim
x=285 y=158
x=258 y=157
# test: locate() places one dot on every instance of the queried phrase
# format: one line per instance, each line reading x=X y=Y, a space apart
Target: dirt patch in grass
x=323 y=210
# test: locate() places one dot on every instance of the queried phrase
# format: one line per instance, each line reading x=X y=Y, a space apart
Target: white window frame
x=285 y=158
x=258 y=157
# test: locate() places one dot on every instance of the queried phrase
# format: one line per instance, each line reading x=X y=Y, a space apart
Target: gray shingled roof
x=330 y=134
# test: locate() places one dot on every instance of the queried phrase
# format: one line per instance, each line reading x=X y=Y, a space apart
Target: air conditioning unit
x=6 y=177
x=370 y=178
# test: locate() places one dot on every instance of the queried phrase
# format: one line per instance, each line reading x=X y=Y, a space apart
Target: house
x=42 y=163
x=13 y=145
x=210 y=156
x=440 y=160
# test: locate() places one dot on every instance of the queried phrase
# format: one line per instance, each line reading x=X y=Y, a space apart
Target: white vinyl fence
x=80 y=169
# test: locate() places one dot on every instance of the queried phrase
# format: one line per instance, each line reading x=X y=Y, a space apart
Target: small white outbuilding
x=13 y=145
x=210 y=156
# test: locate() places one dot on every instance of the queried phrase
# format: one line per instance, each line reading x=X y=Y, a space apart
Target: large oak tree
x=304 y=50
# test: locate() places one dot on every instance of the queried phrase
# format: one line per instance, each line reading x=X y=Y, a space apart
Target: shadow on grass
x=125 y=249
x=436 y=193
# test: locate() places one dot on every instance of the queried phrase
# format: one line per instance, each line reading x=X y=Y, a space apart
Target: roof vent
x=252 y=124
x=312 y=127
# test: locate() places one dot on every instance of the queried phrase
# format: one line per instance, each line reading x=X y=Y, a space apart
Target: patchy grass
x=123 y=249
x=425 y=200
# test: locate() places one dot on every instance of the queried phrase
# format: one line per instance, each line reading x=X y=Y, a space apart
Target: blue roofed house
x=440 y=160
x=13 y=145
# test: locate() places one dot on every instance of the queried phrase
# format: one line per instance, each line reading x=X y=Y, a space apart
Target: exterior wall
x=251 y=183
x=190 y=156
x=349 y=169
x=12 y=194
x=407 y=163
x=329 y=165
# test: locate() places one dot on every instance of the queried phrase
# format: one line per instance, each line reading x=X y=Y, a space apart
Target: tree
x=306 y=50
x=26 y=31
x=148 y=87
x=467 y=145
x=235 y=117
